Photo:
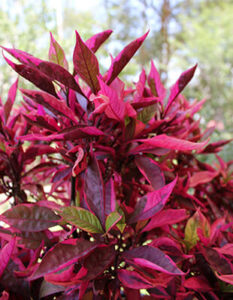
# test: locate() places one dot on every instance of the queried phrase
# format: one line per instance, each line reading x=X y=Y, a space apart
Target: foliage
x=109 y=199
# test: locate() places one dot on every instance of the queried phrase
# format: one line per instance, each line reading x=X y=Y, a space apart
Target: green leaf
x=56 y=53
x=147 y=113
x=198 y=220
x=121 y=224
x=82 y=218
x=31 y=218
x=111 y=220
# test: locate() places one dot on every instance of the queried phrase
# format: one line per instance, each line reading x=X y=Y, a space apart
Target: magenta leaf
x=97 y=40
x=94 y=193
x=132 y=279
x=151 y=203
x=56 y=53
x=50 y=102
x=122 y=59
x=116 y=108
x=180 y=84
x=199 y=284
x=168 y=142
x=71 y=133
x=30 y=218
x=151 y=171
x=86 y=64
x=63 y=255
x=5 y=255
x=153 y=258
x=166 y=217
x=10 y=100
x=155 y=83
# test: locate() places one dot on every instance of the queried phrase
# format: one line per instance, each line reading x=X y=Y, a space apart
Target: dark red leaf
x=10 y=100
x=217 y=261
x=40 y=80
x=50 y=102
x=151 y=171
x=97 y=40
x=98 y=261
x=152 y=258
x=132 y=279
x=5 y=255
x=93 y=189
x=86 y=64
x=63 y=255
x=180 y=84
x=123 y=58
x=30 y=218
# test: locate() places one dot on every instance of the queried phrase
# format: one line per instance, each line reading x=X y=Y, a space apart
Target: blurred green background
x=182 y=33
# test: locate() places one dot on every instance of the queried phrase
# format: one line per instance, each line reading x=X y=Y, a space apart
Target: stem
x=73 y=194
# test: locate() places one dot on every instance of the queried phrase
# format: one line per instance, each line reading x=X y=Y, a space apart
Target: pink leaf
x=151 y=171
x=10 y=100
x=226 y=278
x=168 y=142
x=166 y=217
x=5 y=255
x=180 y=84
x=79 y=164
x=50 y=102
x=201 y=178
x=132 y=279
x=116 y=108
x=123 y=58
x=155 y=83
x=63 y=255
x=110 y=197
x=151 y=203
x=152 y=258
x=226 y=249
x=86 y=64
x=97 y=40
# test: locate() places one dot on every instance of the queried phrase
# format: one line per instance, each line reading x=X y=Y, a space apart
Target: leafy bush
x=109 y=199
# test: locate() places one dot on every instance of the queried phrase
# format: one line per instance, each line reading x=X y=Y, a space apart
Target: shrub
x=109 y=199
